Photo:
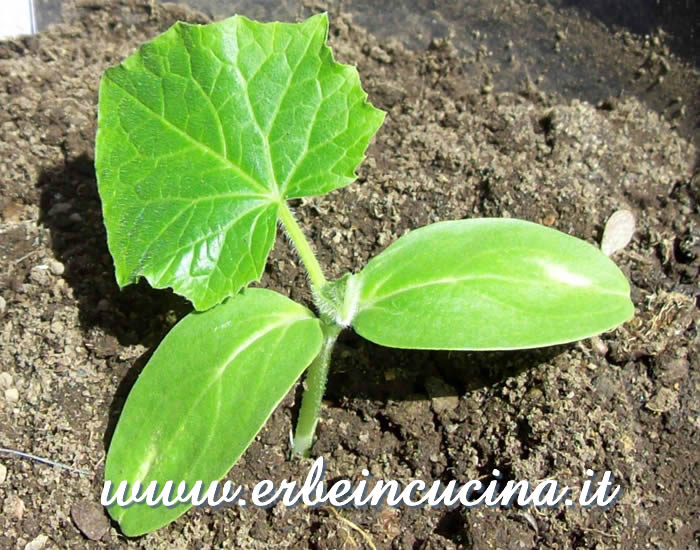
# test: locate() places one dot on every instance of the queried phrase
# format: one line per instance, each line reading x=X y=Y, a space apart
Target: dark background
x=679 y=18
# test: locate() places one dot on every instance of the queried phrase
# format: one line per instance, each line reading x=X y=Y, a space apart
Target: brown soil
x=71 y=344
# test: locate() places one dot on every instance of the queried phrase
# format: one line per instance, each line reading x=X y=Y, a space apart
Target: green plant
x=203 y=136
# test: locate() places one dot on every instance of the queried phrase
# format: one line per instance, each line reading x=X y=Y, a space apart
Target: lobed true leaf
x=205 y=131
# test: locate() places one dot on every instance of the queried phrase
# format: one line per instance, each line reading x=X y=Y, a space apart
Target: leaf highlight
x=488 y=284
x=204 y=395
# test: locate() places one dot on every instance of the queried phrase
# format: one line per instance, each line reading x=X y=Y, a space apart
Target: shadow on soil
x=363 y=369
x=679 y=18
x=70 y=208
x=127 y=382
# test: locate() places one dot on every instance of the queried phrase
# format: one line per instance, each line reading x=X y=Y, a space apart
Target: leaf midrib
x=204 y=148
x=219 y=373
x=372 y=300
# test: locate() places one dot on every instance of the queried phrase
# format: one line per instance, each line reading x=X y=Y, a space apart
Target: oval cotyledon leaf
x=204 y=394
x=205 y=131
x=486 y=284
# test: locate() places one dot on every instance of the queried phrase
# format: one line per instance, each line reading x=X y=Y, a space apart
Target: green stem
x=316 y=377
x=317 y=373
x=303 y=247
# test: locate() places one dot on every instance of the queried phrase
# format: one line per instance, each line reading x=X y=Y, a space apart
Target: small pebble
x=56 y=267
x=443 y=396
x=11 y=395
x=549 y=219
x=3 y=473
x=37 y=544
x=89 y=517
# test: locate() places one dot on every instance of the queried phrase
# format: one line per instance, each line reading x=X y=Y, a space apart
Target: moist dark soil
x=72 y=344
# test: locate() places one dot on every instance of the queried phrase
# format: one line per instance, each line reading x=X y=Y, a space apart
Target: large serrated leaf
x=208 y=389
x=486 y=284
x=205 y=131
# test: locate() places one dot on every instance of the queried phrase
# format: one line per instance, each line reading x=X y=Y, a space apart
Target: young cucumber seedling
x=203 y=136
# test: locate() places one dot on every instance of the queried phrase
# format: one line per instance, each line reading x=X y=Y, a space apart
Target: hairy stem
x=317 y=373
x=316 y=377
x=303 y=247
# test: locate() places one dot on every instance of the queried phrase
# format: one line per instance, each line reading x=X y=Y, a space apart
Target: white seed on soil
x=618 y=232
x=3 y=305
x=3 y=473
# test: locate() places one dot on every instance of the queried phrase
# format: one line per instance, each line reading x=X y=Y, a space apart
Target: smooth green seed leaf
x=204 y=395
x=487 y=284
x=204 y=131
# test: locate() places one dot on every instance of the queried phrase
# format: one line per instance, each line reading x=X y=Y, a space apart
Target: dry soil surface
x=72 y=344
